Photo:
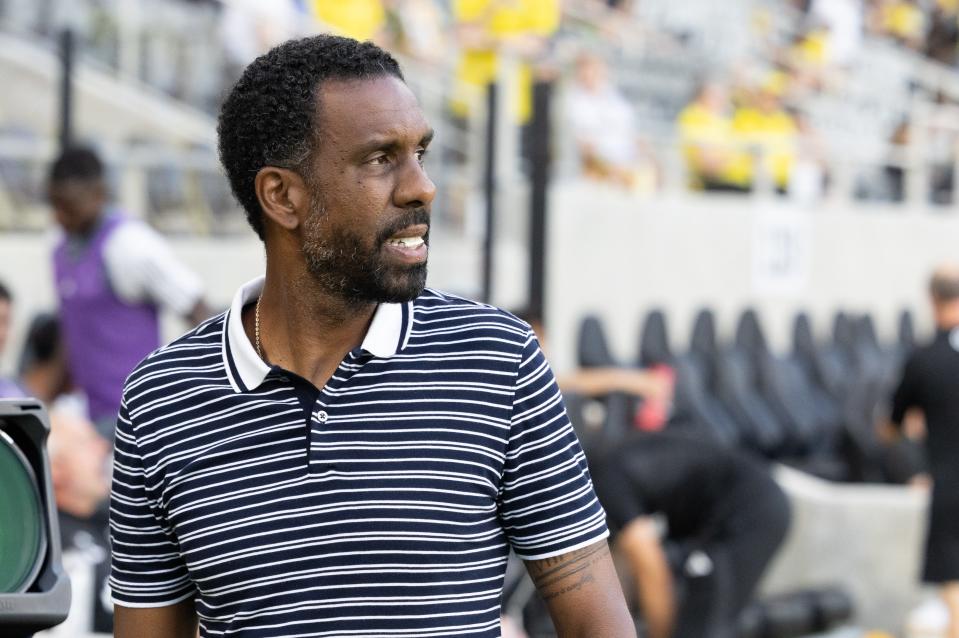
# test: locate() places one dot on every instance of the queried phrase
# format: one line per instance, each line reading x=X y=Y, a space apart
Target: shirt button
x=322 y=416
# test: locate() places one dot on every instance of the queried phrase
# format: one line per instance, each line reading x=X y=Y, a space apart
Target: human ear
x=282 y=195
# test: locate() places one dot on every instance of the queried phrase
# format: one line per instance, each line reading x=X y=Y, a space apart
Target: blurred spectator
x=942 y=147
x=78 y=454
x=79 y=468
x=43 y=364
x=603 y=126
x=697 y=525
x=768 y=130
x=113 y=274
x=807 y=183
x=894 y=172
x=844 y=22
x=357 y=19
x=930 y=382
x=250 y=28
x=809 y=61
x=942 y=38
x=416 y=28
x=713 y=160
x=489 y=29
x=903 y=20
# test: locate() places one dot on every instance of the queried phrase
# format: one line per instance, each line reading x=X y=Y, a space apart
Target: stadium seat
x=592 y=346
x=736 y=388
x=695 y=403
x=654 y=346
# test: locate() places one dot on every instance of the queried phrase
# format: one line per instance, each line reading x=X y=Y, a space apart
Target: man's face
x=77 y=204
x=5 y=315
x=366 y=237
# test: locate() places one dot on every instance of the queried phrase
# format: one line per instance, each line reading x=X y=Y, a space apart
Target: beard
x=344 y=264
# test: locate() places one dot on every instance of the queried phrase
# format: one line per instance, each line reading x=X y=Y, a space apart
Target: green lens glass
x=22 y=532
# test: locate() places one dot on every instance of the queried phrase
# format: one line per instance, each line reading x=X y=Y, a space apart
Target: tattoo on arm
x=566 y=573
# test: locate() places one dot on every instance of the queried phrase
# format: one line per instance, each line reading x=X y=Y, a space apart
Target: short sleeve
x=146 y=570
x=143 y=268
x=547 y=503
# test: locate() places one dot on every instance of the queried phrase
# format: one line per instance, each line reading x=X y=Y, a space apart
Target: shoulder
x=436 y=312
x=129 y=229
x=201 y=347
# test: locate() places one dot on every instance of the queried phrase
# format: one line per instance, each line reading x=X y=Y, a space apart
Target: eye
x=421 y=155
x=379 y=160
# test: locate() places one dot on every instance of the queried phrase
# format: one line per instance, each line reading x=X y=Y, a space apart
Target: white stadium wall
x=618 y=256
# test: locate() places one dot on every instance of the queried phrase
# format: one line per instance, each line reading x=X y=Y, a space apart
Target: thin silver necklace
x=256 y=327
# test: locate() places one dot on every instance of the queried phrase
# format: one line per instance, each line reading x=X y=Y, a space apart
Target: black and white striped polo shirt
x=382 y=505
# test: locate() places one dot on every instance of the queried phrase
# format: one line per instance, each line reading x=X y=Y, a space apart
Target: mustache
x=413 y=217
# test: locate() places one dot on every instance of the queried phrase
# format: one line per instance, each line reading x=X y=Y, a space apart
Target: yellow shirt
x=904 y=20
x=775 y=136
x=813 y=50
x=357 y=19
x=500 y=19
x=704 y=132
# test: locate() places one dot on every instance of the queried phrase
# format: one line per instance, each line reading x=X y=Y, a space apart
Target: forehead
x=353 y=111
x=73 y=189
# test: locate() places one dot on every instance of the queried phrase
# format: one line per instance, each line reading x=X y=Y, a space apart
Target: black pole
x=66 y=87
x=539 y=138
x=489 y=189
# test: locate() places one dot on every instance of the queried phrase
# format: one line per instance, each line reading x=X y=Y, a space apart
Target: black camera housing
x=46 y=601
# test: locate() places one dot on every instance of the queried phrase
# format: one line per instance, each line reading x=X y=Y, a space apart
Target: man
x=344 y=453
x=720 y=512
x=930 y=383
x=113 y=274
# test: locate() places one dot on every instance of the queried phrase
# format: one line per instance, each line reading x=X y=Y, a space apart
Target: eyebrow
x=391 y=144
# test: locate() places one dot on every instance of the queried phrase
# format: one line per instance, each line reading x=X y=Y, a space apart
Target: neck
x=305 y=330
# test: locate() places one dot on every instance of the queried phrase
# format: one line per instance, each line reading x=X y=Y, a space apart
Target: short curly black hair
x=268 y=117
x=76 y=163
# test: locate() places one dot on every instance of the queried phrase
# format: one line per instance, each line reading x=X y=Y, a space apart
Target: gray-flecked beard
x=345 y=265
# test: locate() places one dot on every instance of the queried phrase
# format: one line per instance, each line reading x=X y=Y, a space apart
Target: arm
x=639 y=542
x=905 y=402
x=173 y=621
x=142 y=267
x=583 y=593
x=599 y=381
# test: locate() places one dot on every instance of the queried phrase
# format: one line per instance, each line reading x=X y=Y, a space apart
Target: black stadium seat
x=592 y=346
x=736 y=388
x=654 y=346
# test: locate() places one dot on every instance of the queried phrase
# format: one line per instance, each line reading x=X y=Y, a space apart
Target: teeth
x=407 y=242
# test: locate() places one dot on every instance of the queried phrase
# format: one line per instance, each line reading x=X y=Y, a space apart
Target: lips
x=409 y=244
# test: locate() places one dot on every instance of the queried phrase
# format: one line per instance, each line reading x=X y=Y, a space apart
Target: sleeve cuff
x=565 y=550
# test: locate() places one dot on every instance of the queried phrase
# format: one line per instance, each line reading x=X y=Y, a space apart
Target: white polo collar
x=388 y=333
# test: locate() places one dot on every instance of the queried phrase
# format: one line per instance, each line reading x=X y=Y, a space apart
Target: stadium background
x=838 y=170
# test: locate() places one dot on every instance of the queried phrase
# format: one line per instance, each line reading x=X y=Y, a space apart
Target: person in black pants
x=930 y=382
x=677 y=503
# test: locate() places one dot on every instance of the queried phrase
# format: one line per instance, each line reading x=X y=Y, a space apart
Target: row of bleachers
x=815 y=407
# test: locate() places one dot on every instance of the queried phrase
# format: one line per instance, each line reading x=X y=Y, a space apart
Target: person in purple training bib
x=113 y=275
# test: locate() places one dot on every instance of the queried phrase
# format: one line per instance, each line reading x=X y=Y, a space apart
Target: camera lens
x=22 y=531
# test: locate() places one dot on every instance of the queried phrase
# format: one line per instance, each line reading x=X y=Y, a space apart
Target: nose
x=414 y=188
